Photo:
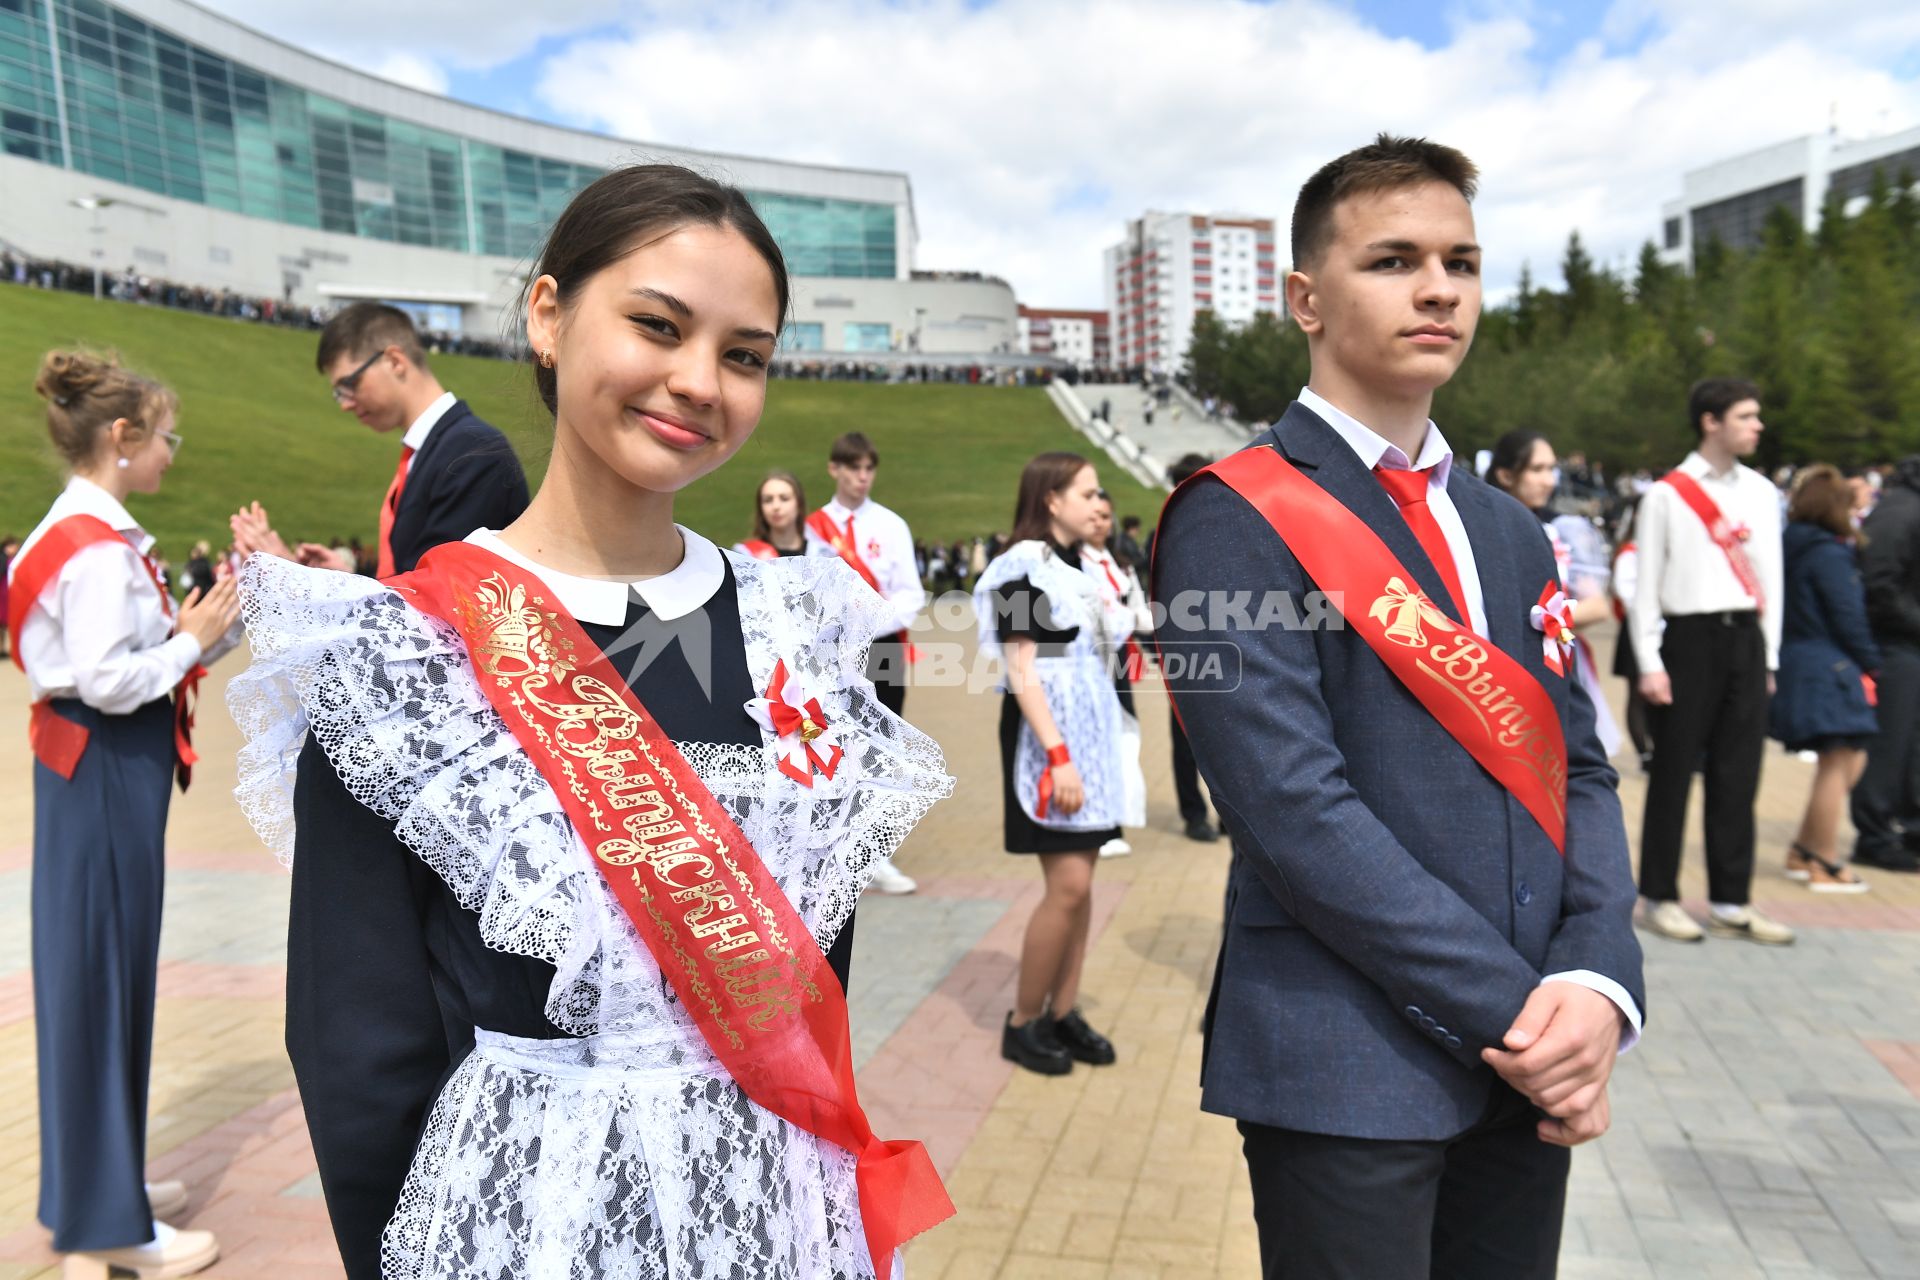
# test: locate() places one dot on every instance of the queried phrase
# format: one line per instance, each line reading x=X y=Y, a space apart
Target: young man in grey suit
x=1429 y=963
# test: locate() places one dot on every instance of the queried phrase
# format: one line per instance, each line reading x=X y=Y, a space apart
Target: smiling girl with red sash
x=112 y=665
x=575 y=809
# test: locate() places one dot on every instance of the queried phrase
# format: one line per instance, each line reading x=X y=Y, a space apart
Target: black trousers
x=887 y=668
x=1487 y=1203
x=1887 y=798
x=1718 y=666
x=1186 y=775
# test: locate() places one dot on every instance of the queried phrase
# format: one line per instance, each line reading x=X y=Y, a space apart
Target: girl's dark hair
x=630 y=206
x=761 y=529
x=1511 y=454
x=1043 y=477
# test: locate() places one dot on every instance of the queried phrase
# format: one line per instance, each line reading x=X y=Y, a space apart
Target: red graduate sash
x=712 y=916
x=843 y=544
x=760 y=550
x=1720 y=531
x=1485 y=699
x=59 y=743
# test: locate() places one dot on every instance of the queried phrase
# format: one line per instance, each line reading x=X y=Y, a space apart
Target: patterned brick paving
x=1768 y=1126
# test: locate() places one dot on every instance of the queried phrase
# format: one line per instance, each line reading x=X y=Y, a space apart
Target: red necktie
x=1409 y=490
x=385 y=568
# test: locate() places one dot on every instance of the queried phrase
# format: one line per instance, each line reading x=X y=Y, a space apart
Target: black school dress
x=1020 y=610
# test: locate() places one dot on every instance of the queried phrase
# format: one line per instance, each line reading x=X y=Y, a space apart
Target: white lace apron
x=627 y=1152
x=1078 y=686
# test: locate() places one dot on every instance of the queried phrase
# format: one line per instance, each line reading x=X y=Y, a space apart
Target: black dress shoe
x=1202 y=830
x=1082 y=1041
x=1034 y=1047
x=1896 y=858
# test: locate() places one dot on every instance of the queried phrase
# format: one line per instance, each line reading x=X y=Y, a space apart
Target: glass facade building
x=90 y=87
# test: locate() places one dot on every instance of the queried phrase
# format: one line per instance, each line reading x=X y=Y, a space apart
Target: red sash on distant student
x=1720 y=531
x=841 y=540
x=57 y=742
x=1132 y=661
x=760 y=550
x=711 y=914
x=1486 y=700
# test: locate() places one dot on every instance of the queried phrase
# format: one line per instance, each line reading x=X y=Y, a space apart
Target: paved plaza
x=1768 y=1125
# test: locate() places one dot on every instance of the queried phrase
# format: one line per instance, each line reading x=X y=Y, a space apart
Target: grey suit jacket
x=1390 y=906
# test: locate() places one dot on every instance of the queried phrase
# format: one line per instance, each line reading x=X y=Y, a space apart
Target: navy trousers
x=98 y=874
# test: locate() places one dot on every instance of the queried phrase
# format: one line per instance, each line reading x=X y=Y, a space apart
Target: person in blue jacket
x=1824 y=700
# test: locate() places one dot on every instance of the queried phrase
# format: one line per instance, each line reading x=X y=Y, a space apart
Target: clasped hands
x=253 y=531
x=1559 y=1053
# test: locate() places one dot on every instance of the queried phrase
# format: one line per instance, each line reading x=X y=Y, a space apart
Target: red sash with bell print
x=1487 y=701
x=57 y=742
x=712 y=916
x=1725 y=536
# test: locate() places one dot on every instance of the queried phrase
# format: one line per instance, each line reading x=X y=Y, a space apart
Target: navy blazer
x=1390 y=906
x=1825 y=645
x=465 y=477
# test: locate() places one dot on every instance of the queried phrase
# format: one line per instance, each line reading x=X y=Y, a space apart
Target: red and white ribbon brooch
x=1553 y=618
x=806 y=744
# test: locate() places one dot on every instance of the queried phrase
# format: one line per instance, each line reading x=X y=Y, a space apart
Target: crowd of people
x=579 y=807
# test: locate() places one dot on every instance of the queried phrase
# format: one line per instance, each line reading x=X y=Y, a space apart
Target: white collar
x=424 y=424
x=84 y=497
x=1376 y=450
x=603 y=601
x=1697 y=466
x=840 y=513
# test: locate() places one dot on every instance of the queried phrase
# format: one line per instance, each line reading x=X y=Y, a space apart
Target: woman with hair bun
x=112 y=666
x=779 y=519
x=576 y=807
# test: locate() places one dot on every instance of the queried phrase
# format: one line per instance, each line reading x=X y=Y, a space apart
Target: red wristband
x=1058 y=755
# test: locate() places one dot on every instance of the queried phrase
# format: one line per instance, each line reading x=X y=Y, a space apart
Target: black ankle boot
x=1034 y=1047
x=1082 y=1041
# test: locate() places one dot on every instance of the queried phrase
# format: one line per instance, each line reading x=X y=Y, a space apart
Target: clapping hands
x=253 y=531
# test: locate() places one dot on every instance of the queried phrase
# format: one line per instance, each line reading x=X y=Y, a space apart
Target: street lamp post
x=94 y=204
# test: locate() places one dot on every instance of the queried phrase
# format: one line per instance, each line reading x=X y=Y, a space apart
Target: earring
x=546 y=359
x=124 y=464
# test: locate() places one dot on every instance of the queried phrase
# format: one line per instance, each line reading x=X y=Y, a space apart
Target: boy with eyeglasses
x=456 y=472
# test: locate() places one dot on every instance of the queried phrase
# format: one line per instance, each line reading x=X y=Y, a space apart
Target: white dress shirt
x=100 y=632
x=422 y=426
x=1375 y=450
x=886 y=544
x=1683 y=570
x=674 y=594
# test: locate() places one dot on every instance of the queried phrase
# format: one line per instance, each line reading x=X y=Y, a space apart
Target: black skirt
x=1023 y=834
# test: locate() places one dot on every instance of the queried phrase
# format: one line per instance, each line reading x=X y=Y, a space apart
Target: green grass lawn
x=259 y=425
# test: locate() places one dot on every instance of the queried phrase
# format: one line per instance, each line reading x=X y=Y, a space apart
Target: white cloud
x=409 y=69
x=1033 y=128
x=436 y=34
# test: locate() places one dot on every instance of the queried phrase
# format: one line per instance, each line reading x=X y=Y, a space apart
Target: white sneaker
x=1750 y=925
x=1670 y=920
x=1115 y=848
x=167 y=1199
x=170 y=1253
x=884 y=877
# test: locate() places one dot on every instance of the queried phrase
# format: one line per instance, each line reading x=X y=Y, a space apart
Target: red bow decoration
x=805 y=742
x=1044 y=799
x=1553 y=618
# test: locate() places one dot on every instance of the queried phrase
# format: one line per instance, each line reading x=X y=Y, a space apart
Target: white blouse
x=99 y=631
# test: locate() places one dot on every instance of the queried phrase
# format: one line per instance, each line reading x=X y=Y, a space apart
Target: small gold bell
x=809 y=730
